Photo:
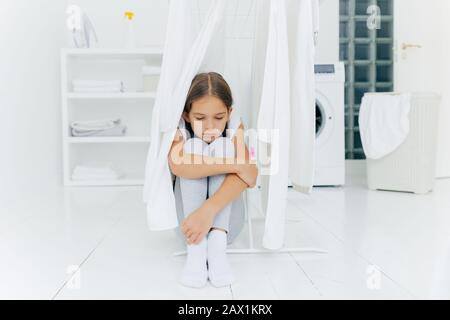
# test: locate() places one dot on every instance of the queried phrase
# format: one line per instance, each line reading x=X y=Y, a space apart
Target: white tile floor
x=93 y=243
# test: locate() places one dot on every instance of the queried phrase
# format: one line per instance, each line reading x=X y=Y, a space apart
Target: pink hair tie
x=252 y=153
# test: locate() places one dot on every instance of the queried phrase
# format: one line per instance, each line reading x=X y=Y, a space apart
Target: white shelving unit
x=134 y=108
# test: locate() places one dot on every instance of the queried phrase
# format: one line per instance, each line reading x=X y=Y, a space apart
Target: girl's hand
x=197 y=225
x=248 y=173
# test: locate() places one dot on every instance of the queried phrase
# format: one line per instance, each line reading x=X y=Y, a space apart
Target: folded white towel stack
x=384 y=122
x=95 y=124
x=96 y=171
x=100 y=86
x=106 y=127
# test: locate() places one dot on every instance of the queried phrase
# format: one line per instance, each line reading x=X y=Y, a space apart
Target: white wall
x=33 y=31
x=426 y=69
x=110 y=23
x=31 y=35
x=443 y=156
x=328 y=46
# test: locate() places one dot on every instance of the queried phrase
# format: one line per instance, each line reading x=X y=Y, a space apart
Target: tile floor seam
x=106 y=234
x=306 y=274
x=354 y=251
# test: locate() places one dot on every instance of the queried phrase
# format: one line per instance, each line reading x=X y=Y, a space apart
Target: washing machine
x=330 y=125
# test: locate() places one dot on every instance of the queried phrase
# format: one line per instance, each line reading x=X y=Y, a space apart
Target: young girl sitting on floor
x=212 y=163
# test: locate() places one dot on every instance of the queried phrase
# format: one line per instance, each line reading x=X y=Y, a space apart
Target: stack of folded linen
x=98 y=86
x=96 y=171
x=98 y=128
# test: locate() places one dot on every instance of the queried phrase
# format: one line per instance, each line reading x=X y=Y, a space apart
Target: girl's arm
x=197 y=225
x=192 y=166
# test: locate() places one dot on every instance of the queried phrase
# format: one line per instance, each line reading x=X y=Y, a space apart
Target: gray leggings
x=194 y=192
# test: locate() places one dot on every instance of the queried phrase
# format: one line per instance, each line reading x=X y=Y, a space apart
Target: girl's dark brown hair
x=208 y=84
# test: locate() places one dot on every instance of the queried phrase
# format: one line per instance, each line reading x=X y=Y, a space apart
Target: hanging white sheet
x=287 y=108
x=282 y=108
x=274 y=124
x=303 y=25
x=184 y=54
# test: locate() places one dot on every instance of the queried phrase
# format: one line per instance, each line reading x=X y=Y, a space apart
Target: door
x=421 y=63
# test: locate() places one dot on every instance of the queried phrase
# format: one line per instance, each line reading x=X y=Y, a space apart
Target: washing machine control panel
x=332 y=72
x=324 y=68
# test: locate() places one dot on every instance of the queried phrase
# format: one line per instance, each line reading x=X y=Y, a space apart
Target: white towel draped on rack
x=274 y=115
x=287 y=107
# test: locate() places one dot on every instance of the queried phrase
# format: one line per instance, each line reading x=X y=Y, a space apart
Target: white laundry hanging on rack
x=186 y=54
x=287 y=106
x=274 y=115
x=304 y=26
x=105 y=127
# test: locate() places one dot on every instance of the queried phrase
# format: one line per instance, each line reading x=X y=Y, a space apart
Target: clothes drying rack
x=251 y=249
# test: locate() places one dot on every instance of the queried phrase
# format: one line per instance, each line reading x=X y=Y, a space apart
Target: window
x=368 y=57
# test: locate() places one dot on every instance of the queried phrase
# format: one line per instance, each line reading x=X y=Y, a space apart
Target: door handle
x=406 y=46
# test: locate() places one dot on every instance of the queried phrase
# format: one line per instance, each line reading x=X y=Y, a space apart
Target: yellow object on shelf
x=129 y=15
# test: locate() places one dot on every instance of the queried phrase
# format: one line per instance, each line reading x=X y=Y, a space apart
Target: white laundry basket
x=411 y=168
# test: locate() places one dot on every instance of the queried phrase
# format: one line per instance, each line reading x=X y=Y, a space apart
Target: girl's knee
x=195 y=146
x=222 y=147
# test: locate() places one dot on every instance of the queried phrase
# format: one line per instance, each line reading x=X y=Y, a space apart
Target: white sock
x=195 y=272
x=219 y=270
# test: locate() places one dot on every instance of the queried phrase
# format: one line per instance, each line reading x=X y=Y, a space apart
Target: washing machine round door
x=324 y=119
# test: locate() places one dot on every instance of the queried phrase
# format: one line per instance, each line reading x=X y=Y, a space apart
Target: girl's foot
x=219 y=270
x=195 y=272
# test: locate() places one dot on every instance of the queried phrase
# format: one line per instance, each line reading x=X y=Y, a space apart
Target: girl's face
x=208 y=118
